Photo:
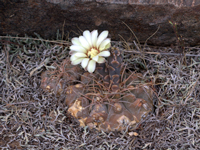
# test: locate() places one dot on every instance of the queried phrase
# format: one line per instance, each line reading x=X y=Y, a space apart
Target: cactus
x=109 y=99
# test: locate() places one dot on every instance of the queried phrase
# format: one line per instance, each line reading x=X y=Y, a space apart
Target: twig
x=40 y=66
x=159 y=53
x=36 y=39
x=190 y=92
x=6 y=50
x=138 y=42
x=152 y=35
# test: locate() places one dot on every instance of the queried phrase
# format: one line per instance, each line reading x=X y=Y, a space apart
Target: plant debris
x=34 y=119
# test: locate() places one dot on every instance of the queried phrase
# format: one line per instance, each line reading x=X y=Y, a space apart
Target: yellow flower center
x=93 y=52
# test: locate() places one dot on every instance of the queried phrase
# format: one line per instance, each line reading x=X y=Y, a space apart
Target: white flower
x=90 y=49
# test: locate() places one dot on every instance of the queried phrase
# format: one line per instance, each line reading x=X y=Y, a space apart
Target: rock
x=46 y=17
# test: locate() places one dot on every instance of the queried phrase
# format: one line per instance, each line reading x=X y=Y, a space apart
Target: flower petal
x=77 y=61
x=91 y=66
x=87 y=36
x=105 y=44
x=84 y=62
x=96 y=58
x=104 y=54
x=101 y=60
x=72 y=52
x=101 y=37
x=84 y=42
x=76 y=56
x=94 y=35
x=77 y=48
x=73 y=57
x=76 y=41
x=80 y=55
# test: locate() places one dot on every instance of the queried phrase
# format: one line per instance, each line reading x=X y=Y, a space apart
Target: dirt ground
x=34 y=119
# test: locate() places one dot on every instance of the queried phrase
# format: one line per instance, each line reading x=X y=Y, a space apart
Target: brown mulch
x=33 y=119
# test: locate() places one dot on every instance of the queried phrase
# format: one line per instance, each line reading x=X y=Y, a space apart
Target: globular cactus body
x=101 y=100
